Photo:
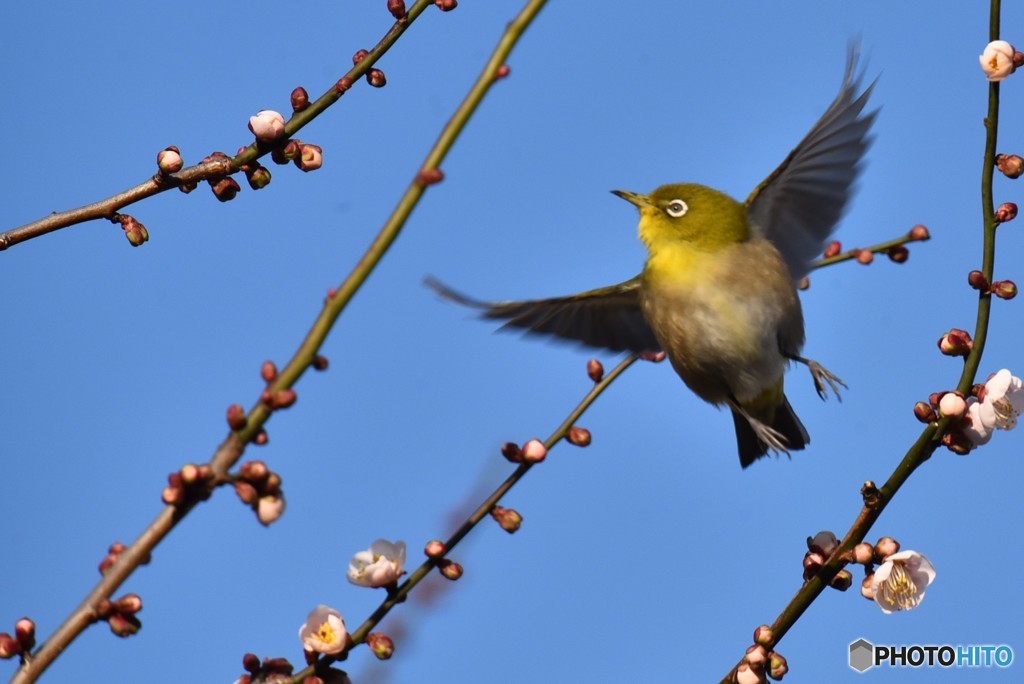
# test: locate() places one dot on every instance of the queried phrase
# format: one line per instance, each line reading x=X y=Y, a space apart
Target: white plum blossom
x=999 y=407
x=997 y=60
x=900 y=582
x=378 y=566
x=267 y=125
x=324 y=631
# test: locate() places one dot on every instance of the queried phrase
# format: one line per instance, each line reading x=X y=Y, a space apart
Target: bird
x=718 y=290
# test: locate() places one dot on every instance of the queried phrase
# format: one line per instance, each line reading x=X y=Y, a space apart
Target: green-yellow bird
x=718 y=291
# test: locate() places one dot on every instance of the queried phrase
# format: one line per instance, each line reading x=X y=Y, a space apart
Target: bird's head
x=686 y=212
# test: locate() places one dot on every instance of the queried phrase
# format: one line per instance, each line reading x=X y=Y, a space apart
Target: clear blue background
x=649 y=556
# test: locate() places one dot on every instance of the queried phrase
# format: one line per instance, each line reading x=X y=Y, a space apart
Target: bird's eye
x=676 y=208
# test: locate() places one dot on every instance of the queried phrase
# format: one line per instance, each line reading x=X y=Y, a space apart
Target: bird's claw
x=822 y=376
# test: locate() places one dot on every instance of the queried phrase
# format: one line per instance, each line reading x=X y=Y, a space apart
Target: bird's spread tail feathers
x=785 y=423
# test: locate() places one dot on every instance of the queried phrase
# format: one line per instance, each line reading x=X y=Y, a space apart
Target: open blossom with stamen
x=998 y=408
x=900 y=582
x=997 y=60
x=378 y=566
x=324 y=631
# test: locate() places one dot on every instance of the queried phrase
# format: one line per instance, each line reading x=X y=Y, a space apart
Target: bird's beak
x=640 y=201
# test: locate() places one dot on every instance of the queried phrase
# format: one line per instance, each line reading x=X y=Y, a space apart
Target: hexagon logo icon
x=861 y=655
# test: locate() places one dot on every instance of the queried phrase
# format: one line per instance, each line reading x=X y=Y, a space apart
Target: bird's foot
x=822 y=376
x=767 y=435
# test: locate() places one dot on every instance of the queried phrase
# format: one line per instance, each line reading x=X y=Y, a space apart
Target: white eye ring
x=676 y=208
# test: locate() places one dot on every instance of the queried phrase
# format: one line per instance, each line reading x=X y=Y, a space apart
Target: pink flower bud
x=258 y=178
x=885 y=547
x=397 y=9
x=534 y=451
x=833 y=248
x=952 y=405
x=236 y=417
x=251 y=663
x=502 y=72
x=189 y=474
x=957 y=442
x=343 y=84
x=255 y=472
x=300 y=99
x=747 y=674
x=865 y=256
x=1010 y=165
x=169 y=160
x=978 y=281
x=129 y=604
x=226 y=189
x=311 y=157
x=283 y=398
x=124 y=625
x=375 y=77
x=450 y=570
x=595 y=371
x=1007 y=211
x=9 y=646
x=756 y=655
x=381 y=644
x=919 y=233
x=269 y=509
x=260 y=438
x=25 y=633
x=956 y=343
x=866 y=590
x=652 y=356
x=812 y=563
x=446 y=5
x=777 y=666
x=434 y=548
x=804 y=284
x=359 y=56
x=246 y=492
x=320 y=363
x=863 y=553
x=268 y=371
x=133 y=230
x=173 y=495
x=1004 y=289
x=578 y=436
x=267 y=125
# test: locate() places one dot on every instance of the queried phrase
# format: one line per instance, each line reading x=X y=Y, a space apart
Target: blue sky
x=648 y=556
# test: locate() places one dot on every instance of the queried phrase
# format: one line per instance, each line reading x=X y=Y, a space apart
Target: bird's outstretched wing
x=798 y=205
x=608 y=317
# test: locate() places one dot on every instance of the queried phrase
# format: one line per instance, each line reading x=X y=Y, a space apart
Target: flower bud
x=777 y=666
x=375 y=77
x=269 y=509
x=502 y=72
x=397 y=9
x=924 y=412
x=267 y=125
x=863 y=553
x=919 y=233
x=320 y=363
x=842 y=580
x=129 y=604
x=283 y=398
x=885 y=547
x=246 y=492
x=952 y=405
x=833 y=248
x=978 y=281
x=823 y=543
x=578 y=436
x=745 y=674
x=534 y=451
x=288 y=152
x=957 y=442
x=997 y=61
x=225 y=189
x=251 y=663
x=1004 y=289
x=756 y=655
x=1007 y=211
x=359 y=56
x=381 y=644
x=450 y=569
x=173 y=495
x=1010 y=165
x=343 y=84
x=446 y=5
x=956 y=343
x=804 y=284
x=258 y=178
x=431 y=176
x=9 y=646
x=434 y=548
x=595 y=371
x=812 y=563
x=865 y=587
x=865 y=256
x=25 y=633
x=300 y=99
x=133 y=230
x=268 y=371
x=311 y=157
x=898 y=254
x=124 y=625
x=508 y=518
x=512 y=452
x=764 y=635
x=260 y=438
x=189 y=474
x=169 y=160
x=652 y=356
